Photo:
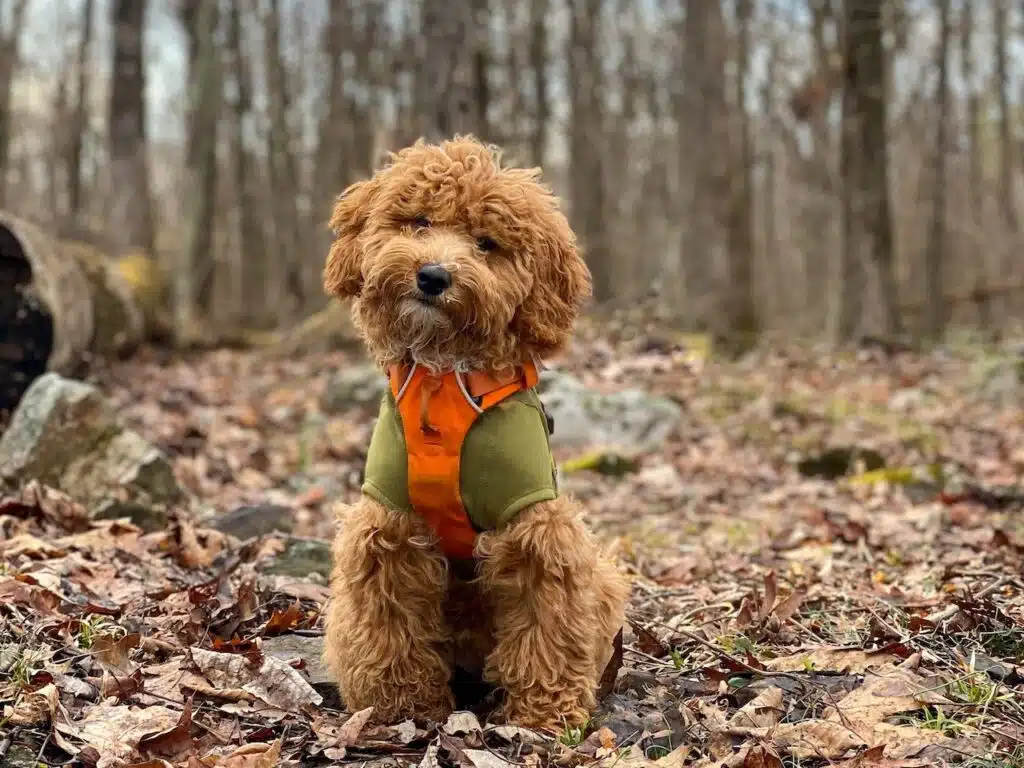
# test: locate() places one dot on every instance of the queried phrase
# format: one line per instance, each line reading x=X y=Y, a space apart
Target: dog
x=463 y=275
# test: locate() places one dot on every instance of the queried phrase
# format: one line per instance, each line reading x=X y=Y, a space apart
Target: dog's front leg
x=386 y=638
x=552 y=615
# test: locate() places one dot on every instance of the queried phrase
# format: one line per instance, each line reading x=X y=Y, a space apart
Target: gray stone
x=65 y=434
x=629 y=420
x=255 y=520
x=360 y=386
x=302 y=558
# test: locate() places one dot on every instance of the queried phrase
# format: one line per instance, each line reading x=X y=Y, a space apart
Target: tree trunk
x=79 y=122
x=284 y=175
x=10 y=59
x=539 y=69
x=130 y=218
x=62 y=303
x=867 y=218
x=1007 y=169
x=588 y=194
x=743 y=321
x=706 y=177
x=194 y=272
x=975 y=169
x=254 y=255
x=935 y=256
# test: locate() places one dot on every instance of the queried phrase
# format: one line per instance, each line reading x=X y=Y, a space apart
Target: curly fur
x=540 y=618
x=505 y=305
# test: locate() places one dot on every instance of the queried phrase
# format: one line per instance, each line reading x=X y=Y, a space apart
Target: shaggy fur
x=539 y=619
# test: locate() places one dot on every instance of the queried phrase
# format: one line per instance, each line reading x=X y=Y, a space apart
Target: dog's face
x=454 y=260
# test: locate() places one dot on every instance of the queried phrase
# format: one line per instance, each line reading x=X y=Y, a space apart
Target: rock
x=255 y=520
x=631 y=420
x=360 y=386
x=302 y=558
x=65 y=434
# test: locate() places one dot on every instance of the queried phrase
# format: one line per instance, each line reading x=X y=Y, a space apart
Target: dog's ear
x=561 y=284
x=343 y=273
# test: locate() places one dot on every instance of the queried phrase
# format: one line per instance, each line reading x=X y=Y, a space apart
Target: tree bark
x=10 y=60
x=935 y=256
x=284 y=174
x=254 y=256
x=63 y=303
x=79 y=121
x=975 y=169
x=130 y=222
x=1007 y=169
x=867 y=217
x=586 y=155
x=194 y=273
x=539 y=70
x=743 y=319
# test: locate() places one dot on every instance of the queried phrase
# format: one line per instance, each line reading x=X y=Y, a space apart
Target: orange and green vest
x=466 y=452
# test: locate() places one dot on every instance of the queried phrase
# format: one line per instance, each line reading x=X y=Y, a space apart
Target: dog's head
x=454 y=260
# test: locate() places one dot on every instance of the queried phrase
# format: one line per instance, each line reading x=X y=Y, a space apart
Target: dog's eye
x=421 y=222
x=486 y=244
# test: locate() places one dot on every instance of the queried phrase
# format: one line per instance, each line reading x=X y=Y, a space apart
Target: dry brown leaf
x=885 y=692
x=822 y=739
x=273 y=682
x=252 y=756
x=27 y=545
x=115 y=730
x=35 y=708
x=459 y=723
x=763 y=711
x=825 y=659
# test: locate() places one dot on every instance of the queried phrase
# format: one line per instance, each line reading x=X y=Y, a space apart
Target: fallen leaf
x=822 y=739
x=460 y=723
x=273 y=682
x=763 y=711
x=825 y=659
x=885 y=692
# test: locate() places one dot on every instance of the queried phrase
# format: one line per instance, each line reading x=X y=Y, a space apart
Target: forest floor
x=827 y=561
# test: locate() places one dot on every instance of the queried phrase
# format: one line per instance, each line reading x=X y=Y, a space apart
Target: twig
x=952 y=610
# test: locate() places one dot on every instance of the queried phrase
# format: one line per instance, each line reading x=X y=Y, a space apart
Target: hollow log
x=63 y=304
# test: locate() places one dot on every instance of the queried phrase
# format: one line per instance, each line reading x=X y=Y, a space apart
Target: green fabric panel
x=386 y=475
x=506 y=462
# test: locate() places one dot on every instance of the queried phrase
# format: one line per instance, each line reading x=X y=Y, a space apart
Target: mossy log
x=63 y=304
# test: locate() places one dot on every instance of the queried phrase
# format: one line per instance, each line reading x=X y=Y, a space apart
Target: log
x=63 y=304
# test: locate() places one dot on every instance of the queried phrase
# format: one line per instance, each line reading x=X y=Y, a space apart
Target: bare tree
x=935 y=257
x=79 y=123
x=194 y=274
x=1007 y=194
x=586 y=153
x=130 y=221
x=10 y=56
x=541 y=91
x=742 y=312
x=867 y=216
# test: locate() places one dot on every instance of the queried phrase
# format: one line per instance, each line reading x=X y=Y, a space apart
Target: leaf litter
x=827 y=560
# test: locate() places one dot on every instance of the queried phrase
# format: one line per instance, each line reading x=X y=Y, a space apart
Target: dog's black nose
x=433 y=279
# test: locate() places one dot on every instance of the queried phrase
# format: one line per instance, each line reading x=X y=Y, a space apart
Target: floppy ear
x=343 y=272
x=561 y=285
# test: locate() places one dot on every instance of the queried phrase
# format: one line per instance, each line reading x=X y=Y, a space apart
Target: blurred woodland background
x=805 y=167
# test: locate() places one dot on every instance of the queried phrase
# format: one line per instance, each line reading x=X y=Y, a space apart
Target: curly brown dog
x=464 y=274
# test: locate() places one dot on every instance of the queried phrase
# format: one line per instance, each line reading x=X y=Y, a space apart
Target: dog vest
x=466 y=452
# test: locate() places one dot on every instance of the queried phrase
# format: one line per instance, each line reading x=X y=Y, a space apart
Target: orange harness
x=437 y=413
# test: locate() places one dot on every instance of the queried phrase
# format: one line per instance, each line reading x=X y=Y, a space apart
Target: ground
x=827 y=560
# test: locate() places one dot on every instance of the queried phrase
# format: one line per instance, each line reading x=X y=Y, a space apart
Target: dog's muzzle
x=433 y=279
